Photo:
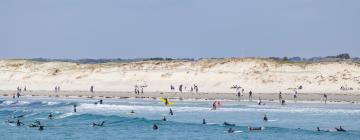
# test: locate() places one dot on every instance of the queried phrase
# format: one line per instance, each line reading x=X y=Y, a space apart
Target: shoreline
x=268 y=97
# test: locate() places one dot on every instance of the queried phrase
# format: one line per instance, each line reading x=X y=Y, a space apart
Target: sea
x=293 y=121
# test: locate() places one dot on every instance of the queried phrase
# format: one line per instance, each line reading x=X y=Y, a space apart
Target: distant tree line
x=343 y=56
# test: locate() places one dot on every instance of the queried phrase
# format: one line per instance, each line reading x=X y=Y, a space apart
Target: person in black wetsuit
x=50 y=116
x=155 y=127
x=254 y=128
x=35 y=124
x=164 y=119
x=171 y=112
x=265 y=118
x=18 y=123
x=204 y=121
x=340 y=129
x=74 y=107
x=231 y=130
x=228 y=124
x=41 y=128
x=98 y=124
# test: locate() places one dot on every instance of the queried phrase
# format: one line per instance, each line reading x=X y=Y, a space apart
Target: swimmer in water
x=231 y=130
x=265 y=118
x=155 y=127
x=132 y=111
x=164 y=119
x=50 y=116
x=171 y=112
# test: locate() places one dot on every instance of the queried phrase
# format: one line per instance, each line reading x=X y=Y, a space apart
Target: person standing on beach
x=295 y=96
x=250 y=96
x=280 y=97
x=180 y=88
x=325 y=98
x=239 y=95
x=259 y=102
x=92 y=89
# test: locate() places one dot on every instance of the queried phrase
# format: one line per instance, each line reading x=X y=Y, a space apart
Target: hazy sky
x=178 y=28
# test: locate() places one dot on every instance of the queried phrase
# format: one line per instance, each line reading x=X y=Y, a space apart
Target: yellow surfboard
x=163 y=100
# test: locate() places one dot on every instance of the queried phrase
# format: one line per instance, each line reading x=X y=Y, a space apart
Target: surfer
x=155 y=127
x=20 y=116
x=8 y=121
x=171 y=112
x=164 y=119
x=282 y=102
x=228 y=124
x=204 y=121
x=50 y=116
x=265 y=118
x=132 y=112
x=318 y=129
x=231 y=130
x=74 y=107
x=98 y=124
x=18 y=123
x=254 y=128
x=35 y=124
x=340 y=129
x=41 y=128
x=280 y=97
x=166 y=101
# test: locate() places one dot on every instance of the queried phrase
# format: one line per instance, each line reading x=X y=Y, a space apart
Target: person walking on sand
x=250 y=96
x=325 y=98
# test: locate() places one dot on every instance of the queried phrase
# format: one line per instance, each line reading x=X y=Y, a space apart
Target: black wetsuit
x=228 y=124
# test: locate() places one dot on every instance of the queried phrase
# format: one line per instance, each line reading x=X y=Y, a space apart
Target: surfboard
x=163 y=100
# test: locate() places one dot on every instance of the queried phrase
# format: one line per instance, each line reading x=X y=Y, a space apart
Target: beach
x=269 y=97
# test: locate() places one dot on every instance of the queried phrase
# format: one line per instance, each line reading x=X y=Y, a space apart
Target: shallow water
x=293 y=121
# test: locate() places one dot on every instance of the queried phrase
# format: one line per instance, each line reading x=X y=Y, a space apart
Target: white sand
x=212 y=76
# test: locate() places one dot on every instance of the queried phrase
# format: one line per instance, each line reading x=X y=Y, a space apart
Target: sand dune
x=212 y=76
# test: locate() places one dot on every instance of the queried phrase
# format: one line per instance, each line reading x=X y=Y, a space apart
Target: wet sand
x=301 y=97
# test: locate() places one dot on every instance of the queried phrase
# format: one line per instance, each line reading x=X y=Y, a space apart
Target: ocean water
x=292 y=121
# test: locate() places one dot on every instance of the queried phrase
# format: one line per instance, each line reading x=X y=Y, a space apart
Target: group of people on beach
x=193 y=88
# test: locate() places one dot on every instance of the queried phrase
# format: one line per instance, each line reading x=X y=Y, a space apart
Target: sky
x=78 y=29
